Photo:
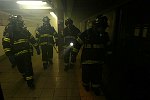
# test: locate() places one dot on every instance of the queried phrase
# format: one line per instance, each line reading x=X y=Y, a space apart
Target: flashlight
x=71 y=44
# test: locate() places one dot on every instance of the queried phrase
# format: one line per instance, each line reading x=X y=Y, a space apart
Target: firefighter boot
x=24 y=77
x=30 y=84
x=50 y=61
x=13 y=65
x=96 y=91
x=71 y=65
x=86 y=87
x=45 y=65
x=66 y=67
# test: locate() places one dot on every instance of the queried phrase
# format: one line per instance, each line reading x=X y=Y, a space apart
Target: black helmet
x=19 y=17
x=68 y=21
x=12 y=19
x=15 y=18
x=20 y=21
x=101 y=21
x=46 y=19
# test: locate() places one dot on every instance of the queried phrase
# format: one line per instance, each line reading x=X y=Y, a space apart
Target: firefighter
x=12 y=57
x=47 y=37
x=95 y=42
x=21 y=23
x=70 y=34
x=16 y=42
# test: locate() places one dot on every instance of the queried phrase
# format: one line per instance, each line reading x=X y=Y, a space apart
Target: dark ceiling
x=82 y=9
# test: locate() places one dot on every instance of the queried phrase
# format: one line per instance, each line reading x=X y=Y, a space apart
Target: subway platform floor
x=51 y=84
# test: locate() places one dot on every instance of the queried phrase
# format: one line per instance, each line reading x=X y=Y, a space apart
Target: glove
x=56 y=43
x=38 y=51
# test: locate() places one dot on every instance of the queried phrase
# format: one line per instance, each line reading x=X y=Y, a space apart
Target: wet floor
x=51 y=84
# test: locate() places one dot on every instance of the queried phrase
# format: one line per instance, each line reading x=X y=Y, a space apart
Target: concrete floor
x=51 y=84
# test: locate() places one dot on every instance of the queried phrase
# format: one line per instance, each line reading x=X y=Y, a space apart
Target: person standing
x=16 y=42
x=6 y=30
x=95 y=42
x=46 y=36
x=69 y=35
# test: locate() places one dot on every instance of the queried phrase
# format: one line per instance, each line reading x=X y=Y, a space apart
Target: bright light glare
x=31 y=2
x=35 y=7
x=53 y=14
x=71 y=44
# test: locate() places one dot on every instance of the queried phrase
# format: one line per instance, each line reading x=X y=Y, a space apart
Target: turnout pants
x=47 y=53
x=68 y=55
x=12 y=60
x=24 y=65
x=91 y=75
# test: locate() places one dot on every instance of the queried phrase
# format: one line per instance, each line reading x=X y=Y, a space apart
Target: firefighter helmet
x=46 y=19
x=20 y=21
x=12 y=19
x=68 y=21
x=19 y=17
x=101 y=21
